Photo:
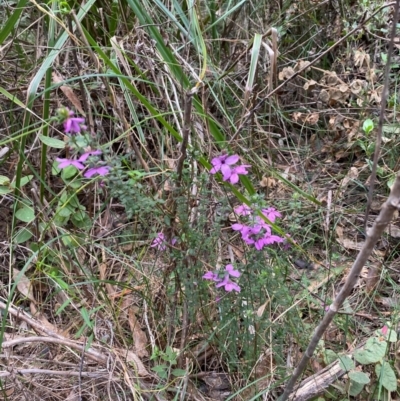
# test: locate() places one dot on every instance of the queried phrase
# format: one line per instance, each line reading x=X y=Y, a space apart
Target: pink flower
x=241 y=227
x=102 y=170
x=385 y=330
x=243 y=210
x=222 y=163
x=228 y=284
x=271 y=214
x=72 y=124
x=159 y=242
x=225 y=282
x=272 y=239
x=211 y=276
x=70 y=162
x=233 y=174
x=86 y=155
x=231 y=271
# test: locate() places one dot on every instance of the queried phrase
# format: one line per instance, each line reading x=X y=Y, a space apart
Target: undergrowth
x=175 y=220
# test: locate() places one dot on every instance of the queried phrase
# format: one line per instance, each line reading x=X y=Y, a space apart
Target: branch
x=389 y=207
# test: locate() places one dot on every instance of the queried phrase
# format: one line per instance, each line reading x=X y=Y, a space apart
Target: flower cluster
x=75 y=125
x=160 y=242
x=256 y=231
x=226 y=165
x=224 y=281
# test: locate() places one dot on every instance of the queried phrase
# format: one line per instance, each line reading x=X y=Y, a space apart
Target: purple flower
x=225 y=282
x=233 y=174
x=102 y=170
x=228 y=284
x=86 y=155
x=222 y=163
x=70 y=162
x=241 y=227
x=159 y=242
x=250 y=234
x=271 y=214
x=211 y=276
x=243 y=210
x=260 y=236
x=231 y=271
x=72 y=124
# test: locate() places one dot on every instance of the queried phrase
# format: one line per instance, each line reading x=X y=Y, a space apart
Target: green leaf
x=355 y=388
x=26 y=214
x=373 y=351
x=5 y=190
x=368 y=126
x=64 y=211
x=346 y=363
x=72 y=241
x=24 y=181
x=86 y=317
x=179 y=372
x=161 y=370
x=52 y=142
x=23 y=235
x=359 y=377
x=63 y=306
x=12 y=20
x=68 y=172
x=4 y=180
x=386 y=375
x=390 y=335
x=329 y=356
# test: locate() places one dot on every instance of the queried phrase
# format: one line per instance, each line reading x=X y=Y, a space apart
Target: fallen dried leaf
x=68 y=92
x=139 y=336
x=24 y=285
x=134 y=360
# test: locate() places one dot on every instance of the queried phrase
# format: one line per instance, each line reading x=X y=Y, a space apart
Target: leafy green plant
x=374 y=352
x=169 y=359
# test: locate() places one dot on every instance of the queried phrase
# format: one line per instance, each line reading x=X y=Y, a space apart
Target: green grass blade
x=12 y=21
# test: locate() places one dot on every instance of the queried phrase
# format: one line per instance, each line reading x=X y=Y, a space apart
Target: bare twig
x=67 y=373
x=389 y=207
x=384 y=97
x=92 y=354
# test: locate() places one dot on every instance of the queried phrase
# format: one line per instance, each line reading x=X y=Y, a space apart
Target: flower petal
x=232 y=159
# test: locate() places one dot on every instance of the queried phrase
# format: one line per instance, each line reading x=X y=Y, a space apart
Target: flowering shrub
x=75 y=125
x=254 y=230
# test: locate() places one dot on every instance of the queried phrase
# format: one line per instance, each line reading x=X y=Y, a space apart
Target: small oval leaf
x=386 y=375
x=4 y=180
x=359 y=377
x=52 y=142
x=26 y=214
x=346 y=363
x=23 y=236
